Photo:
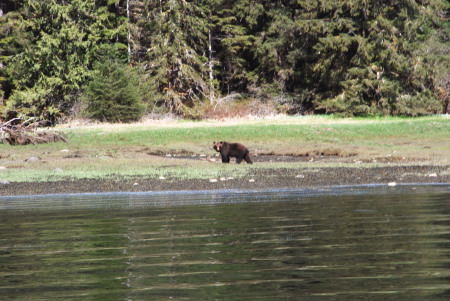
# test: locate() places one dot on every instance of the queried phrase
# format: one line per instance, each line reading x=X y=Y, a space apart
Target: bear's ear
x=214 y=142
x=221 y=142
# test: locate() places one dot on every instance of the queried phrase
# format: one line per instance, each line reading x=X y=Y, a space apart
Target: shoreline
x=259 y=180
x=312 y=191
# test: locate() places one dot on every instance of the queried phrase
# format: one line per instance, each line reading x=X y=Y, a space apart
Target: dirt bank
x=259 y=179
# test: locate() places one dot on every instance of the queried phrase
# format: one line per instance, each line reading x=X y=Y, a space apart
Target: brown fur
x=237 y=150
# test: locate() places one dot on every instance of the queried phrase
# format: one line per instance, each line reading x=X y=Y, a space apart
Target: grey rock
x=33 y=159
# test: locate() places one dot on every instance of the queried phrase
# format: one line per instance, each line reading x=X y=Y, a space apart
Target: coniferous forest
x=118 y=60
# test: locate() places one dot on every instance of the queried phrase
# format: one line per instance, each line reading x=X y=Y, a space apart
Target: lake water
x=353 y=243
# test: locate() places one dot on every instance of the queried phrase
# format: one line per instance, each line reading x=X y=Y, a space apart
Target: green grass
x=199 y=138
x=415 y=139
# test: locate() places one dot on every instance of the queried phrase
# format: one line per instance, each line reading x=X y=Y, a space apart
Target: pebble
x=392 y=184
x=300 y=176
x=162 y=178
x=33 y=159
x=2 y=168
x=4 y=182
x=58 y=170
x=213 y=180
x=432 y=175
x=251 y=180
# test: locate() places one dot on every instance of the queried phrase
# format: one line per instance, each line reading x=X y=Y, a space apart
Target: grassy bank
x=184 y=149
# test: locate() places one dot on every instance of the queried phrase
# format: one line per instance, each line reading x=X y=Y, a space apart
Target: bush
x=112 y=95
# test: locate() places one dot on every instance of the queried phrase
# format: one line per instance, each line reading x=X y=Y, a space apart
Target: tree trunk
x=128 y=34
x=211 y=77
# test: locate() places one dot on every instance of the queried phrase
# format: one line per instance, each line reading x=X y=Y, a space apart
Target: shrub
x=112 y=95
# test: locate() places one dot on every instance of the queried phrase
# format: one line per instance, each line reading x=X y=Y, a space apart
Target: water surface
x=351 y=243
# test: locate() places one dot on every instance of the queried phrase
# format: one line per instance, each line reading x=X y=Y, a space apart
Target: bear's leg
x=248 y=159
x=238 y=160
x=225 y=159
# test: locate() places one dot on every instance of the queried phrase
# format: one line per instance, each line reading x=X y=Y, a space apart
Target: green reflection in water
x=325 y=247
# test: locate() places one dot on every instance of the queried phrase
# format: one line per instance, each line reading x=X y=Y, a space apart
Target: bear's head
x=218 y=145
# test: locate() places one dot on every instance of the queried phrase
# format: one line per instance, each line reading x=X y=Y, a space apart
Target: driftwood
x=15 y=132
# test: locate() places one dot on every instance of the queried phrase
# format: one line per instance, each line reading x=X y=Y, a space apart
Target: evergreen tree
x=349 y=57
x=111 y=95
x=343 y=57
x=284 y=48
x=385 y=75
x=48 y=73
x=237 y=23
x=176 y=57
x=13 y=39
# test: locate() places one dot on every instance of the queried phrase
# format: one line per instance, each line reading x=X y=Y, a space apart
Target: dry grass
x=170 y=121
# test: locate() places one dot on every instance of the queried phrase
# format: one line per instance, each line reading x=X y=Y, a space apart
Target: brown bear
x=228 y=150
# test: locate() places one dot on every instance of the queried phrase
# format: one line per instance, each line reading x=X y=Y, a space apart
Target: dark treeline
x=117 y=60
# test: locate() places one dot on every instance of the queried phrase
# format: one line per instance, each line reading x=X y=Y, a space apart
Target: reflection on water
x=347 y=243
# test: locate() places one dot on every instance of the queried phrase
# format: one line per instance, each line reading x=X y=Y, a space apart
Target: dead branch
x=13 y=133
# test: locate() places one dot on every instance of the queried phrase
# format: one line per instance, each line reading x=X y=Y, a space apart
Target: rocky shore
x=259 y=179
